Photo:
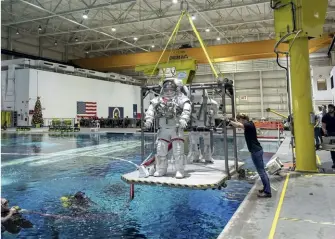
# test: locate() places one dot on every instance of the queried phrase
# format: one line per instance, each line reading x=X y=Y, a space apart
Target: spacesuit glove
x=182 y=123
x=226 y=118
x=147 y=124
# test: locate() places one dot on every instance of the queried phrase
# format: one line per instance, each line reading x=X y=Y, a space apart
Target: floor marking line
x=279 y=206
x=318 y=159
x=319 y=174
x=306 y=220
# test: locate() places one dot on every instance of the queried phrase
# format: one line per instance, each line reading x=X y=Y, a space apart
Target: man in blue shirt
x=255 y=149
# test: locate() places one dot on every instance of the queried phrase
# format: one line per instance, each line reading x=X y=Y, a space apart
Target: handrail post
x=142 y=125
x=224 y=128
x=234 y=133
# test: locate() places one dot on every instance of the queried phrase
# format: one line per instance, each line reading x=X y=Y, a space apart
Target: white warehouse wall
x=321 y=96
x=22 y=102
x=321 y=73
x=60 y=92
x=256 y=91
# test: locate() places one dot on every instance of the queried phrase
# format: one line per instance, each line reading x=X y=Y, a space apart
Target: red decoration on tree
x=37 y=116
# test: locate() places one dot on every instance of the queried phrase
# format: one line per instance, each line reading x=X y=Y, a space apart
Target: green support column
x=302 y=106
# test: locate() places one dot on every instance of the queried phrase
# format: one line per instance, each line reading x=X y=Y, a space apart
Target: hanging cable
x=167 y=44
x=202 y=45
x=286 y=53
x=278 y=5
x=173 y=42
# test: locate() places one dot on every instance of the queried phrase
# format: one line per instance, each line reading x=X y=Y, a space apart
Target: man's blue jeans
x=257 y=158
x=317 y=135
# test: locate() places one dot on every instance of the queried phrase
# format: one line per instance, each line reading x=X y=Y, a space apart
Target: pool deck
x=302 y=205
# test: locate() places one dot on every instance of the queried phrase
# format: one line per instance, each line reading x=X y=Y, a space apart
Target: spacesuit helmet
x=169 y=88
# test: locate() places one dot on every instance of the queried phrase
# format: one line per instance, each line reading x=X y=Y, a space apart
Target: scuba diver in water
x=78 y=203
x=11 y=219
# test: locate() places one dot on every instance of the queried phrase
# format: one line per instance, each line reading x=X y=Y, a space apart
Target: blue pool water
x=38 y=169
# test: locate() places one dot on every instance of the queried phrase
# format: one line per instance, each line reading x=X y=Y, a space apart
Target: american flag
x=86 y=109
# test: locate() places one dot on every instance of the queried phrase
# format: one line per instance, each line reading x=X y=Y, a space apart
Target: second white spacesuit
x=173 y=109
x=201 y=130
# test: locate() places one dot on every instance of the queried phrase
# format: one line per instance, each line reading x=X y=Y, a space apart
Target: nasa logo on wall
x=182 y=75
x=116 y=113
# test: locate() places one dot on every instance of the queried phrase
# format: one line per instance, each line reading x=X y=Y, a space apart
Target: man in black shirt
x=255 y=149
x=328 y=127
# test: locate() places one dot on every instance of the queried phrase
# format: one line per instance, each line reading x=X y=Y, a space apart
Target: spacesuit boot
x=207 y=156
x=180 y=165
x=179 y=158
x=194 y=152
x=161 y=166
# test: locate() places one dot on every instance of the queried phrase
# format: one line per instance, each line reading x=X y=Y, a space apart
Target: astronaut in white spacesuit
x=173 y=109
x=202 y=130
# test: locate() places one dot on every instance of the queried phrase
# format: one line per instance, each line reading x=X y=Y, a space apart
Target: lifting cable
x=202 y=45
x=275 y=6
x=167 y=44
x=287 y=53
x=173 y=37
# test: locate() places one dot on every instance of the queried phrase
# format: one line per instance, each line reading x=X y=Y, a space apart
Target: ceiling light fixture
x=135 y=38
x=55 y=43
x=153 y=46
x=113 y=29
x=174 y=1
x=76 y=39
x=17 y=32
x=86 y=52
x=85 y=15
x=39 y=28
x=207 y=30
x=193 y=17
x=218 y=38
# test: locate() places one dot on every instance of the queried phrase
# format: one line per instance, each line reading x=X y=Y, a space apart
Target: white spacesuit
x=173 y=109
x=201 y=130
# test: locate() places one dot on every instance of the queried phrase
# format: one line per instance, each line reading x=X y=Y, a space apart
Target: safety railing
x=59 y=122
x=274 y=125
x=111 y=123
x=271 y=130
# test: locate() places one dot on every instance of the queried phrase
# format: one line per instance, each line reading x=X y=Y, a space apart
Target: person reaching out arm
x=256 y=150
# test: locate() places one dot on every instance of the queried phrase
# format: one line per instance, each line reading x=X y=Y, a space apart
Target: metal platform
x=198 y=176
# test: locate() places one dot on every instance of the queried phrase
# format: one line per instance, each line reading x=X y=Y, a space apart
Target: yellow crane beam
x=218 y=53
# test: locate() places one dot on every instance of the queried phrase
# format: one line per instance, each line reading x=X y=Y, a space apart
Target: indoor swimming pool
x=38 y=169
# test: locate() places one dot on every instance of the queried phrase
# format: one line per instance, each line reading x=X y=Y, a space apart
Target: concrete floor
x=302 y=206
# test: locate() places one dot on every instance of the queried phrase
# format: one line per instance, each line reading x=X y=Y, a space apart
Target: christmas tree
x=37 y=116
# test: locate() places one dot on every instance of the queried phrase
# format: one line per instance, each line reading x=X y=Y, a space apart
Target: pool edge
x=236 y=214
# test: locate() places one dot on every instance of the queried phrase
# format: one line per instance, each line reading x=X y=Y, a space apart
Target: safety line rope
x=167 y=44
